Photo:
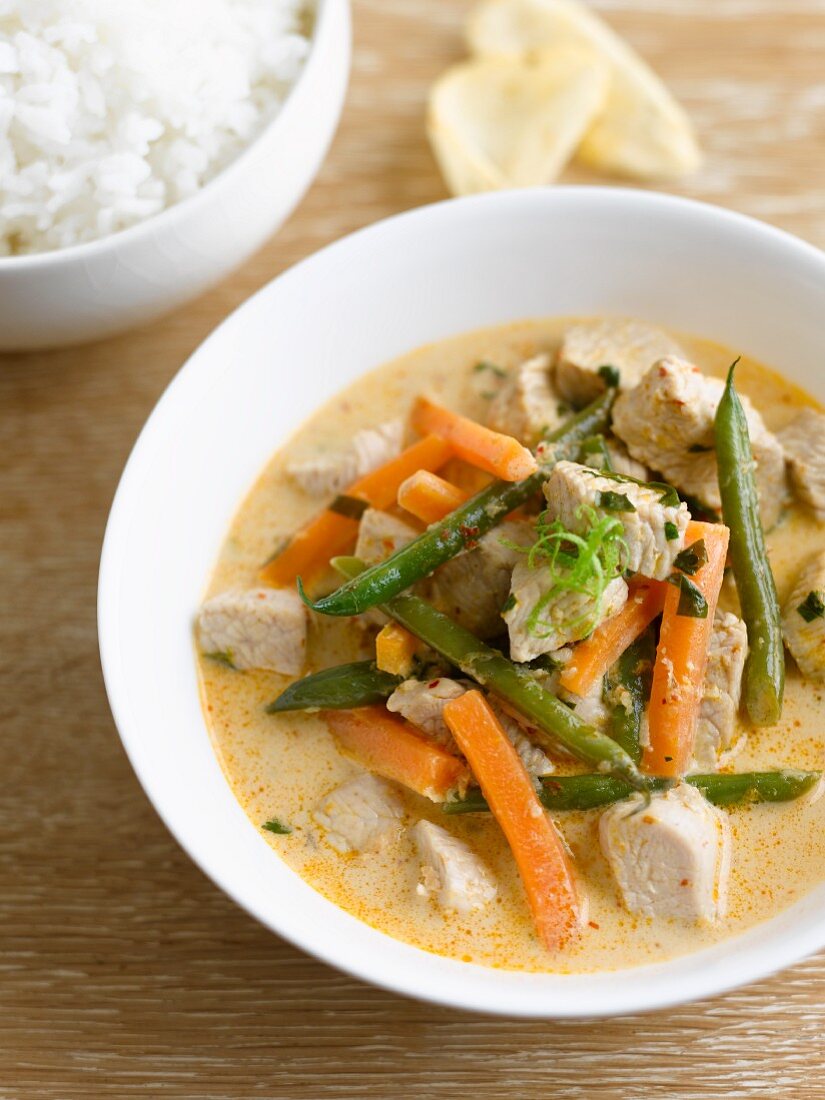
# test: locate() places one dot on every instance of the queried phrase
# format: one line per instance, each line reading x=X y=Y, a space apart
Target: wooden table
x=124 y=971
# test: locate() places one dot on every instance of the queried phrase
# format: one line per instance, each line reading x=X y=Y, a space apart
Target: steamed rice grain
x=112 y=110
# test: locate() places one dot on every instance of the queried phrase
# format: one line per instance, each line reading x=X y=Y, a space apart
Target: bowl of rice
x=146 y=149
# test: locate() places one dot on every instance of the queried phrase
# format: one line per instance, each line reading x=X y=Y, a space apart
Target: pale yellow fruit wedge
x=507 y=122
x=643 y=131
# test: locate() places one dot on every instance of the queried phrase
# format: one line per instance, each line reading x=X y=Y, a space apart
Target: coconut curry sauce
x=282 y=766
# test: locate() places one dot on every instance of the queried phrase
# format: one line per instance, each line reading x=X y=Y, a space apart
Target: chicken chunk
x=717 y=734
x=527 y=405
x=653 y=530
x=667 y=421
x=803 y=442
x=567 y=617
x=328 y=474
x=473 y=587
x=423 y=704
x=803 y=618
x=671 y=858
x=631 y=347
x=451 y=872
x=362 y=815
x=381 y=534
x=256 y=628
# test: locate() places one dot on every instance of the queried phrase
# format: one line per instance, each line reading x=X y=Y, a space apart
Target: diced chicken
x=667 y=422
x=362 y=815
x=422 y=703
x=256 y=628
x=527 y=406
x=803 y=442
x=646 y=519
x=473 y=587
x=717 y=733
x=631 y=347
x=803 y=618
x=327 y=474
x=451 y=872
x=381 y=534
x=567 y=617
x=623 y=462
x=671 y=858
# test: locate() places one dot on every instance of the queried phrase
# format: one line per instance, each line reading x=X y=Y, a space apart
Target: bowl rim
x=87 y=250
x=696 y=981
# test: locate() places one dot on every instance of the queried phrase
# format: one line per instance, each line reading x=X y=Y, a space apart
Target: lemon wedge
x=497 y=122
x=642 y=131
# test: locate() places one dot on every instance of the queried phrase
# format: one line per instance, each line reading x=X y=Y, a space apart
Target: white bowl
x=92 y=290
x=416 y=278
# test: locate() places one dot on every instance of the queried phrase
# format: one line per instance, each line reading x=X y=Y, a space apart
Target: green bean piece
x=556 y=724
x=627 y=686
x=462 y=528
x=589 y=792
x=764 y=677
x=353 y=685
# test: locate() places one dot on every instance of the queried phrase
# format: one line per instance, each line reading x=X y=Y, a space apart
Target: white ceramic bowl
x=92 y=290
x=416 y=278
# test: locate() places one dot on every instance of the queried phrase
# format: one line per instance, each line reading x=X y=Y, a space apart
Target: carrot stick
x=395 y=649
x=390 y=747
x=309 y=550
x=498 y=454
x=429 y=497
x=536 y=845
x=593 y=657
x=681 y=660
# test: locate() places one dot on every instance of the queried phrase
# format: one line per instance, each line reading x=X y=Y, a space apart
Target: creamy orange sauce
x=282 y=766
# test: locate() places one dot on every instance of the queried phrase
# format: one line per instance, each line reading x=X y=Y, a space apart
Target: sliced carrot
x=536 y=845
x=391 y=747
x=498 y=454
x=309 y=551
x=593 y=657
x=681 y=661
x=429 y=497
x=395 y=649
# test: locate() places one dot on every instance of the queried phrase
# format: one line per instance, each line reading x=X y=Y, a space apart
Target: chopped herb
x=671 y=531
x=614 y=502
x=545 y=663
x=594 y=453
x=351 y=507
x=509 y=604
x=667 y=494
x=610 y=375
x=692 y=558
x=276 y=826
x=485 y=364
x=221 y=658
x=698 y=449
x=692 y=603
x=812 y=607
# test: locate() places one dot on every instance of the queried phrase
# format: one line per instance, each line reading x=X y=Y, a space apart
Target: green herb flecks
x=698 y=449
x=671 y=531
x=276 y=826
x=812 y=607
x=493 y=368
x=222 y=657
x=667 y=494
x=610 y=375
x=692 y=558
x=692 y=604
x=614 y=502
x=351 y=507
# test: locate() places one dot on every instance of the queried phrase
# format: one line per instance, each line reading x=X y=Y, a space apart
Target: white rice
x=111 y=110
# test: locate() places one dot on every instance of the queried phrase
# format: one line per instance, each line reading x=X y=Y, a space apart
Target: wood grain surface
x=124 y=971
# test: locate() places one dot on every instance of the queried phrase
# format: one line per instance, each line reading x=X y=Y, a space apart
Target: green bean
x=764 y=677
x=557 y=724
x=627 y=686
x=588 y=792
x=354 y=685
x=461 y=529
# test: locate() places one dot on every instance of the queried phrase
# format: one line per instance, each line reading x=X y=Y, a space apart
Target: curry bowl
x=410 y=281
